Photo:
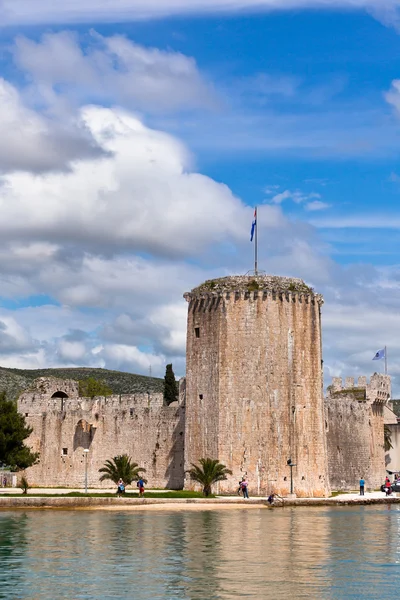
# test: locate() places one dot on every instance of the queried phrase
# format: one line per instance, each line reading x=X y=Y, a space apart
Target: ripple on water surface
x=327 y=553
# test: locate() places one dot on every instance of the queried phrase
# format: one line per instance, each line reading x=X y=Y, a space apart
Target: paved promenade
x=33 y=500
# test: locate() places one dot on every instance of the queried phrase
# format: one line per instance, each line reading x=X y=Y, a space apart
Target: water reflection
x=327 y=553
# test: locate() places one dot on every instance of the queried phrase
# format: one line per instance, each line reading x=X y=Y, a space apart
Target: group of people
x=386 y=487
x=244 y=489
x=121 y=487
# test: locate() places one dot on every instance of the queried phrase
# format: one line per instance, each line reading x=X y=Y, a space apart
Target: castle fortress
x=252 y=398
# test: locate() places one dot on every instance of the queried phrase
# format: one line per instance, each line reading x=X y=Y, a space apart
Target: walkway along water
x=32 y=501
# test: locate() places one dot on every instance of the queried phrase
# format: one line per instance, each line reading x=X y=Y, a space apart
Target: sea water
x=303 y=552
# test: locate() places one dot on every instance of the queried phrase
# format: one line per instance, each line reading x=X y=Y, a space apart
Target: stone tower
x=254 y=383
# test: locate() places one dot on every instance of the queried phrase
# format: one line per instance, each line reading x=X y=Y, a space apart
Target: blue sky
x=133 y=152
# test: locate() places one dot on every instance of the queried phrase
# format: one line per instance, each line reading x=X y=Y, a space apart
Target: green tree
x=24 y=485
x=13 y=432
x=209 y=472
x=171 y=392
x=91 y=387
x=387 y=438
x=121 y=467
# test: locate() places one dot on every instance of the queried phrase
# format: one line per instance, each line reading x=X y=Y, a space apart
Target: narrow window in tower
x=197 y=332
x=65 y=451
x=201 y=396
x=131 y=412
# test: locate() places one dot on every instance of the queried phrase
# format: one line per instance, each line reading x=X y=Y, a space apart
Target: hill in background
x=14 y=381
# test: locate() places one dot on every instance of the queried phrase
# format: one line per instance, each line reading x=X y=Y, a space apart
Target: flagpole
x=385 y=361
x=255 y=245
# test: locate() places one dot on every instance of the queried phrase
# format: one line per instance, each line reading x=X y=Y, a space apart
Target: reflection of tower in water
x=279 y=550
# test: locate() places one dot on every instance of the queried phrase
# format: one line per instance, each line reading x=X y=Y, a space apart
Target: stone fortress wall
x=252 y=398
x=254 y=383
x=65 y=424
x=355 y=436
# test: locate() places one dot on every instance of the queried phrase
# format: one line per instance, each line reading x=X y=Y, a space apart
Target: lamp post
x=86 y=450
x=291 y=465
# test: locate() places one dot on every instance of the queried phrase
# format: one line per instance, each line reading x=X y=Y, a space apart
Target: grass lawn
x=134 y=494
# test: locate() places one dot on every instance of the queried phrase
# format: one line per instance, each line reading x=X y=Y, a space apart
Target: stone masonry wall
x=392 y=458
x=354 y=419
x=137 y=425
x=254 y=384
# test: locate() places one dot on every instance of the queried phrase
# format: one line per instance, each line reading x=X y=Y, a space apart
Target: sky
x=137 y=137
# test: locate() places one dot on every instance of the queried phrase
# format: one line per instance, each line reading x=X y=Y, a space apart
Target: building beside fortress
x=252 y=398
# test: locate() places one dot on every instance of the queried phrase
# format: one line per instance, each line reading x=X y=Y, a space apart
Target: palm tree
x=210 y=471
x=121 y=467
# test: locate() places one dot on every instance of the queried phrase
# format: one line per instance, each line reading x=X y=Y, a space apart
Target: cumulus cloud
x=30 y=141
x=111 y=69
x=296 y=196
x=48 y=11
x=142 y=195
x=14 y=338
x=316 y=205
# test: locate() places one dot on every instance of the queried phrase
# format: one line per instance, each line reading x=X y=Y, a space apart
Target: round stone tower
x=254 y=394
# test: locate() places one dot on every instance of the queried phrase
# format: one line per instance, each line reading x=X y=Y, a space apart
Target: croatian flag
x=380 y=354
x=253 y=225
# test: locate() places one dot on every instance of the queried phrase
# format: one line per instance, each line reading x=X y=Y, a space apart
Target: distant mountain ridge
x=14 y=381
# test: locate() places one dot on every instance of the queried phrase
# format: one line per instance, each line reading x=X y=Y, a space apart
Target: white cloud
x=72 y=351
x=13 y=338
x=130 y=358
x=296 y=196
x=111 y=69
x=48 y=11
x=316 y=205
x=30 y=141
x=393 y=95
x=141 y=196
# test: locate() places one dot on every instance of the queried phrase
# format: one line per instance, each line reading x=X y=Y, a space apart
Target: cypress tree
x=171 y=392
x=13 y=432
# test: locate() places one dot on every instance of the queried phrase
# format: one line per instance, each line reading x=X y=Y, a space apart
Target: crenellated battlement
x=377 y=390
x=49 y=395
x=253 y=287
x=209 y=300
x=37 y=403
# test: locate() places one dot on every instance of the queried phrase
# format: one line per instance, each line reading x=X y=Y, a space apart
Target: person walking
x=121 y=487
x=245 y=485
x=362 y=486
x=140 y=485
